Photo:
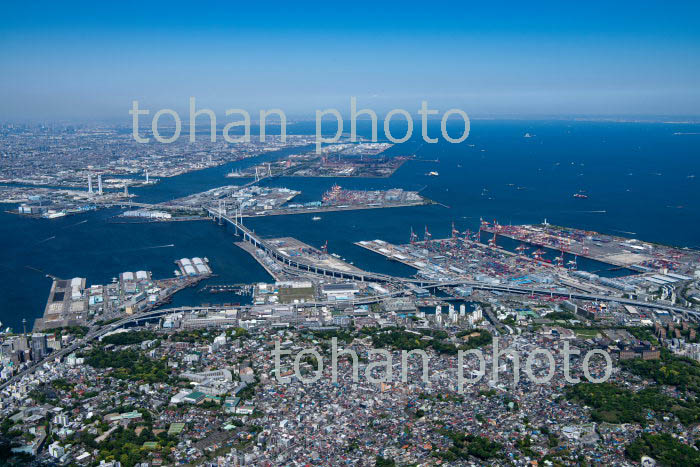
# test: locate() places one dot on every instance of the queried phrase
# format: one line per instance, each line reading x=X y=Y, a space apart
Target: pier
x=250 y=237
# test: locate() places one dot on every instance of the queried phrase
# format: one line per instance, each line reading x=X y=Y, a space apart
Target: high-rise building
x=39 y=346
x=99 y=184
x=90 y=183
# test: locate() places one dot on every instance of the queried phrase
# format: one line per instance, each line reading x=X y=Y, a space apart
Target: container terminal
x=443 y=260
x=558 y=278
x=472 y=257
x=619 y=251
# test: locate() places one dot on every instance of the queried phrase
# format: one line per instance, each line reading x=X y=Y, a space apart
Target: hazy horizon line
x=296 y=117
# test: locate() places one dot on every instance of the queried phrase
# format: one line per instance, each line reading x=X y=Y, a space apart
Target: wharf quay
x=277 y=252
x=220 y=288
x=292 y=263
x=322 y=209
x=614 y=257
x=252 y=214
x=389 y=250
x=63 y=310
x=119 y=219
x=250 y=249
x=389 y=254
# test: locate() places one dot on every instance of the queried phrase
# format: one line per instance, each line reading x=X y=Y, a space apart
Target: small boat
x=316 y=218
x=432 y=174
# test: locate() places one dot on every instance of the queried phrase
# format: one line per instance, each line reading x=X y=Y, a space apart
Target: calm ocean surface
x=640 y=179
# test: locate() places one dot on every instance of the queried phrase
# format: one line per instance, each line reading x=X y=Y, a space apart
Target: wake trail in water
x=44 y=240
x=73 y=225
x=624 y=232
x=170 y=245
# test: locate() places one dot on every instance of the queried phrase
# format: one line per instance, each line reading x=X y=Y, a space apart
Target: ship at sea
x=580 y=195
x=505 y=164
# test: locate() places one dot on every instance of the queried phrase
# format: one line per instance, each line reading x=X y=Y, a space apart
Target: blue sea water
x=638 y=178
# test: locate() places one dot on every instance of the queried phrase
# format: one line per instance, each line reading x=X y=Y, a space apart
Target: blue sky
x=88 y=60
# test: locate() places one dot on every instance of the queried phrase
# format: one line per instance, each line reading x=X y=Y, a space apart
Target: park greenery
x=383 y=462
x=125 y=446
x=129 y=365
x=342 y=335
x=61 y=384
x=613 y=404
x=664 y=449
x=560 y=316
x=465 y=445
x=237 y=333
x=643 y=334
x=474 y=342
x=193 y=336
x=671 y=370
x=406 y=340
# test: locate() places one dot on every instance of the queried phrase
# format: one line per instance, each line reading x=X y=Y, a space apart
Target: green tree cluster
x=383 y=462
x=475 y=342
x=465 y=445
x=670 y=370
x=129 y=365
x=663 y=448
x=614 y=404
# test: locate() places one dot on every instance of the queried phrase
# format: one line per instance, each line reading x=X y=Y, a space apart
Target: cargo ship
x=580 y=195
